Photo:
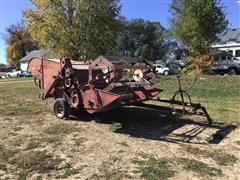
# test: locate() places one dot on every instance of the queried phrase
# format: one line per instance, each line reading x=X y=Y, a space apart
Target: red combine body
x=95 y=87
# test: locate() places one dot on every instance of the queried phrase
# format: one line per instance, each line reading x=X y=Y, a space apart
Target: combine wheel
x=61 y=108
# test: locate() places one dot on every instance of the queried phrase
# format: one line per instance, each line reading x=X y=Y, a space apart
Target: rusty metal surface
x=96 y=86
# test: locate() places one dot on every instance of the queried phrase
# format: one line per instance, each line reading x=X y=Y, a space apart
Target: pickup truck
x=161 y=69
x=14 y=73
x=226 y=64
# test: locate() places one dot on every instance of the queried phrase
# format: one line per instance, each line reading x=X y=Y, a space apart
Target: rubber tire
x=166 y=73
x=232 y=71
x=65 y=109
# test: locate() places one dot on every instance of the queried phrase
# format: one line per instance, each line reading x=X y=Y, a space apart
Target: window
x=223 y=58
x=237 y=53
x=229 y=57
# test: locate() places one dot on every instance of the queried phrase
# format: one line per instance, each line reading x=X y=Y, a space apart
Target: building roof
x=117 y=58
x=229 y=35
x=42 y=53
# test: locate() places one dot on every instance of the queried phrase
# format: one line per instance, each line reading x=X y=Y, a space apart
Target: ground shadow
x=158 y=125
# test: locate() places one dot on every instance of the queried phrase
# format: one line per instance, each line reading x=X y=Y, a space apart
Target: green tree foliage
x=80 y=29
x=142 y=39
x=19 y=42
x=196 y=23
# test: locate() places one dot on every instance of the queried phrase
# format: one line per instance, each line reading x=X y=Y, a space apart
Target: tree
x=143 y=39
x=80 y=29
x=19 y=42
x=196 y=23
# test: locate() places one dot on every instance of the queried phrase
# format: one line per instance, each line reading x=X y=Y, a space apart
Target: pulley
x=137 y=75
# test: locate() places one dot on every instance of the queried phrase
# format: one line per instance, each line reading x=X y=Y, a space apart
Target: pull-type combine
x=99 y=86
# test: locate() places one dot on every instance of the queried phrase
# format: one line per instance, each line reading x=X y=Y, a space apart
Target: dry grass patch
x=39 y=161
x=33 y=145
x=218 y=156
x=6 y=153
x=199 y=167
x=61 y=128
x=111 y=169
x=79 y=141
x=154 y=169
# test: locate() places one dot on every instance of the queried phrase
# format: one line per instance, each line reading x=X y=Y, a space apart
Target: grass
x=79 y=141
x=68 y=171
x=115 y=126
x=20 y=99
x=220 y=157
x=199 y=167
x=19 y=103
x=154 y=169
x=36 y=161
x=219 y=94
x=224 y=159
x=33 y=144
x=6 y=153
x=61 y=128
x=23 y=174
x=16 y=79
x=108 y=175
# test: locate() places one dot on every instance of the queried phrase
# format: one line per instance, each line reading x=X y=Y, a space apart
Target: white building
x=43 y=53
x=229 y=40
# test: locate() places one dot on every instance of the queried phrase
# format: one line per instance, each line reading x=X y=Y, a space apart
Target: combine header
x=99 y=86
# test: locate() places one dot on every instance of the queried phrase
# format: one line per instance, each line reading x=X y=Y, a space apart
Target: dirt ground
x=128 y=143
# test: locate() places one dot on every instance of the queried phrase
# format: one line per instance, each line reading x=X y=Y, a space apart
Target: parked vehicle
x=174 y=68
x=14 y=73
x=2 y=75
x=26 y=74
x=160 y=69
x=226 y=64
x=181 y=63
x=174 y=65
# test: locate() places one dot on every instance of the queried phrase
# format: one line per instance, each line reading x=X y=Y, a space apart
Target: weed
x=108 y=175
x=152 y=168
x=17 y=128
x=238 y=142
x=32 y=145
x=3 y=167
x=79 y=141
x=115 y=126
x=39 y=178
x=68 y=171
x=23 y=174
x=220 y=157
x=124 y=144
x=224 y=159
x=52 y=139
x=36 y=161
x=199 y=167
x=6 y=154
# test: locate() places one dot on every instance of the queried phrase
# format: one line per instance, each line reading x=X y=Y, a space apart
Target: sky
x=152 y=10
